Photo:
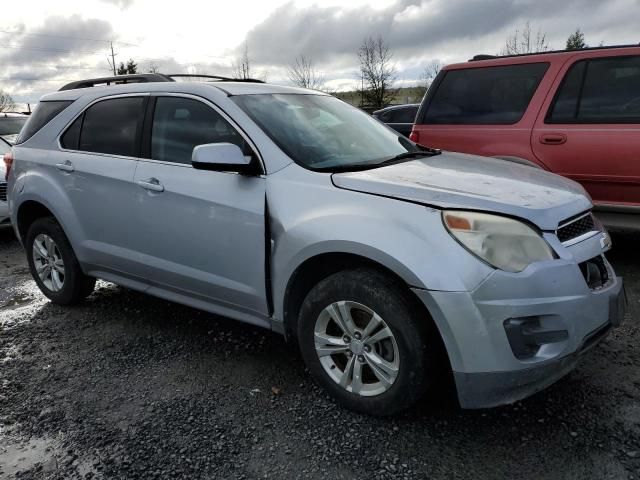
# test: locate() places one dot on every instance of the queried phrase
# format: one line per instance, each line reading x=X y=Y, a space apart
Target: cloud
x=123 y=4
x=410 y=27
x=44 y=53
x=59 y=38
x=43 y=58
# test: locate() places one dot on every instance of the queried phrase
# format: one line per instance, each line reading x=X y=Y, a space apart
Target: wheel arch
x=41 y=196
x=28 y=212
x=316 y=268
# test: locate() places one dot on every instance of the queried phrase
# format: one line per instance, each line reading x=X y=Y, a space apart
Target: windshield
x=323 y=133
x=11 y=125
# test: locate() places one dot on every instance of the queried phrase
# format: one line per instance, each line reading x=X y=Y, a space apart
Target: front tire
x=54 y=265
x=364 y=340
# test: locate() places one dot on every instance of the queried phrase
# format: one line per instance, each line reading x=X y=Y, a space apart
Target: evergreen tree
x=576 y=41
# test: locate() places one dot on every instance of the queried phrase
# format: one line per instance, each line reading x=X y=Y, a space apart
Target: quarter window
x=603 y=90
x=71 y=138
x=181 y=124
x=485 y=96
x=112 y=126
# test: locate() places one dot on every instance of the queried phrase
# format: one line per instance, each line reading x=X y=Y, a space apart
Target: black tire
x=414 y=336
x=76 y=286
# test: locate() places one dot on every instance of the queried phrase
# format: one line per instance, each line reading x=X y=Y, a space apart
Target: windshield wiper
x=423 y=152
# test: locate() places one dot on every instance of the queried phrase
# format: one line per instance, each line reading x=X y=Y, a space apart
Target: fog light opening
x=526 y=336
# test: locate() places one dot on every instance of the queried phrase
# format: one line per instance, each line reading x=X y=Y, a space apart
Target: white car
x=10 y=126
x=5 y=147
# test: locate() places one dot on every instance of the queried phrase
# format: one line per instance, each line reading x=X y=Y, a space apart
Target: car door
x=589 y=130
x=201 y=233
x=95 y=168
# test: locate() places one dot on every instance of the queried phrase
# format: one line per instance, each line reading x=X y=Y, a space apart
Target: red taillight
x=414 y=136
x=8 y=162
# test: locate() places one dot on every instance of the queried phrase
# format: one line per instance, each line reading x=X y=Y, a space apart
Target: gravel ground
x=128 y=386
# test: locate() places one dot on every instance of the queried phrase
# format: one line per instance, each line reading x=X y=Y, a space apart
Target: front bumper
x=485 y=390
x=486 y=368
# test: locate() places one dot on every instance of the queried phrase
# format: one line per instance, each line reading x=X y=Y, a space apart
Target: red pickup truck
x=575 y=113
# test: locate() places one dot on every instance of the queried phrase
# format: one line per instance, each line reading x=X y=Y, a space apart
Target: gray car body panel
x=360 y=224
x=391 y=216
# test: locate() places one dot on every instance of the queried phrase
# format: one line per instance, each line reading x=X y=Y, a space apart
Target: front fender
x=406 y=238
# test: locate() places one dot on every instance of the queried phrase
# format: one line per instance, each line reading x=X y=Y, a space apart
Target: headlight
x=502 y=242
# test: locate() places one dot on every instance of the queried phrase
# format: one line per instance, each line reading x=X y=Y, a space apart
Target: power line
x=66 y=36
x=43 y=49
x=47 y=65
x=20 y=79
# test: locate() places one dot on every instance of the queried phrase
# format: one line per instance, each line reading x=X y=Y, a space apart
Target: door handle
x=553 y=138
x=66 y=166
x=152 y=184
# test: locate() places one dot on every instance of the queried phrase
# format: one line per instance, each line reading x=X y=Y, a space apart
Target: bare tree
x=6 y=102
x=154 y=68
x=377 y=72
x=303 y=74
x=430 y=72
x=241 y=66
x=525 y=42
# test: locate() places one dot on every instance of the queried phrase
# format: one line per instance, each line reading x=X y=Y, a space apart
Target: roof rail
x=213 y=77
x=482 y=57
x=117 y=80
x=148 y=77
x=604 y=47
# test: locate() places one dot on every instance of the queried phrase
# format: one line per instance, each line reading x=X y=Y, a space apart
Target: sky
x=45 y=44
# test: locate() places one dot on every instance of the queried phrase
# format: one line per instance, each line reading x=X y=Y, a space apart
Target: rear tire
x=54 y=265
x=365 y=340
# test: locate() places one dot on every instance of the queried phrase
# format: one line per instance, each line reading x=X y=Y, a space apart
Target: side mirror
x=221 y=157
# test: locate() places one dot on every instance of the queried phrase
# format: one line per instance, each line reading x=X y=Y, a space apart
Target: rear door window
x=112 y=126
x=181 y=124
x=484 y=96
x=403 y=115
x=603 y=90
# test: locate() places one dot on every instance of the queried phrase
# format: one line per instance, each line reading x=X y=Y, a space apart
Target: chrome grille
x=3 y=191
x=576 y=227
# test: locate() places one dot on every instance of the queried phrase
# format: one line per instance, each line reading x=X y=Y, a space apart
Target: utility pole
x=113 y=60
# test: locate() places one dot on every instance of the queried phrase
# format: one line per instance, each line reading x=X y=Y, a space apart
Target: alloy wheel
x=356 y=348
x=48 y=262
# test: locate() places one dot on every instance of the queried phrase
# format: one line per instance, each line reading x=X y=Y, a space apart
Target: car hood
x=10 y=139
x=453 y=180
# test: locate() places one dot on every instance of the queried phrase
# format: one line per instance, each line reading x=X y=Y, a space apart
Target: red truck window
x=484 y=96
x=603 y=90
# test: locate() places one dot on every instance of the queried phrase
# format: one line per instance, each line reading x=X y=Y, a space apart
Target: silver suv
x=387 y=263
